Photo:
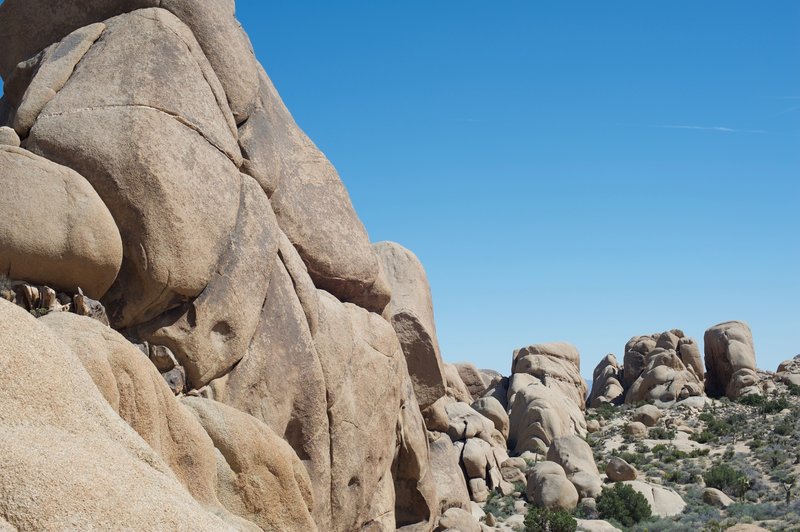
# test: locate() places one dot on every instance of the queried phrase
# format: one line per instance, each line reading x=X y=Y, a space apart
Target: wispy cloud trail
x=715 y=128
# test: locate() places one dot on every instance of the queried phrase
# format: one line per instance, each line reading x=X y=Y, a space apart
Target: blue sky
x=579 y=171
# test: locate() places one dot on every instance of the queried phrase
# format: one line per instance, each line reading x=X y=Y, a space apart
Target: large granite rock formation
x=546 y=396
x=410 y=311
x=606 y=383
x=662 y=368
x=730 y=360
x=224 y=245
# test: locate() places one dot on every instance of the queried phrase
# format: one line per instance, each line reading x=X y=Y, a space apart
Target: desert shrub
x=668 y=453
x=606 y=411
x=775 y=405
x=660 y=433
x=635 y=459
x=725 y=478
x=697 y=453
x=499 y=506
x=624 y=504
x=39 y=312
x=794 y=389
x=545 y=520
x=752 y=400
x=704 y=436
x=728 y=454
x=756 y=512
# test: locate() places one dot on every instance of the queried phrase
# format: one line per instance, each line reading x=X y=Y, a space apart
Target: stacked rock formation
x=730 y=360
x=660 y=368
x=265 y=366
x=663 y=368
x=606 y=383
x=545 y=396
x=788 y=371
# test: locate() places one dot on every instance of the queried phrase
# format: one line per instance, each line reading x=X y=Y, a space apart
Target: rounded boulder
x=55 y=229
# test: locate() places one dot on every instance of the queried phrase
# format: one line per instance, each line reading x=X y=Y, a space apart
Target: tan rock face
x=415 y=502
x=410 y=311
x=490 y=408
x=8 y=137
x=575 y=456
x=280 y=381
x=73 y=463
x=557 y=365
x=212 y=333
x=663 y=368
x=151 y=186
x=606 y=383
x=74 y=243
x=455 y=387
x=361 y=361
x=472 y=379
x=137 y=392
x=730 y=360
x=260 y=477
x=451 y=487
x=239 y=277
x=539 y=415
x=213 y=23
x=549 y=487
x=314 y=208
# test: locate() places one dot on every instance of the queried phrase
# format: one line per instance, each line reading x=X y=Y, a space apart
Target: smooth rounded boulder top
x=55 y=229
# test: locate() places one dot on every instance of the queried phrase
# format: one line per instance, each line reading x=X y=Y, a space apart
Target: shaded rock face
x=663 y=368
x=730 y=360
x=606 y=383
x=410 y=311
x=223 y=243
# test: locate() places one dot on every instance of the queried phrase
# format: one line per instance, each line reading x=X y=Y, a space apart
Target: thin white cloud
x=716 y=128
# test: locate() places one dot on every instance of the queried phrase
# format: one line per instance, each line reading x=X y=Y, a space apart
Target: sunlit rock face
x=662 y=368
x=546 y=396
x=231 y=271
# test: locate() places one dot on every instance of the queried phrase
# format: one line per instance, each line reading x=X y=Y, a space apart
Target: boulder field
x=198 y=334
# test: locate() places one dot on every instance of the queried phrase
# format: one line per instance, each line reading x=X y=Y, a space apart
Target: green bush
x=545 y=520
x=752 y=400
x=794 y=389
x=660 y=433
x=624 y=504
x=705 y=436
x=725 y=478
x=499 y=506
x=775 y=405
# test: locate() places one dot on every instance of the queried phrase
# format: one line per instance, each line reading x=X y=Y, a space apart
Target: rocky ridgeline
x=199 y=335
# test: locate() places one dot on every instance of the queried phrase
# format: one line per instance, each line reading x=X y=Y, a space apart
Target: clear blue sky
x=579 y=171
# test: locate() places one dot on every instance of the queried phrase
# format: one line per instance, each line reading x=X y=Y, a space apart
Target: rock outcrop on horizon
x=663 y=367
x=730 y=360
